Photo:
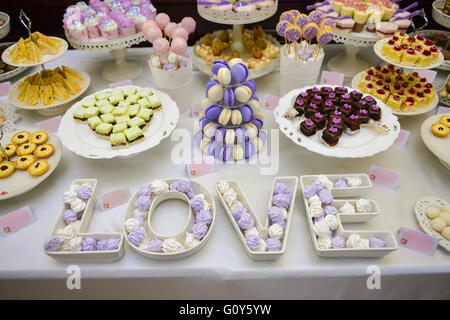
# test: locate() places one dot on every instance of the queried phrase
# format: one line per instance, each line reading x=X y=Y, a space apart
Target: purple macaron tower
x=230 y=127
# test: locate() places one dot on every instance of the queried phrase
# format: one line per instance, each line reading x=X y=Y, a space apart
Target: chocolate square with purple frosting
x=331 y=136
x=308 y=127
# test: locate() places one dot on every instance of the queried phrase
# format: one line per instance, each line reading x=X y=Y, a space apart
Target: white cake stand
x=4 y=29
x=120 y=69
x=349 y=63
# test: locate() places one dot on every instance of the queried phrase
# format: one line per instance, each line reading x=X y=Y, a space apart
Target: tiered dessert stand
x=120 y=69
x=237 y=20
x=58 y=107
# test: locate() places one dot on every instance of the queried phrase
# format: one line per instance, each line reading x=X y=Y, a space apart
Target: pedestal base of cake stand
x=237 y=37
x=349 y=64
x=121 y=69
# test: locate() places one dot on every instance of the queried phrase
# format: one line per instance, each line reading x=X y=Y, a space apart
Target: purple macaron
x=225 y=153
x=241 y=135
x=254 y=97
x=210 y=84
x=247 y=113
x=218 y=64
x=239 y=72
x=212 y=149
x=212 y=112
x=219 y=134
x=250 y=149
x=228 y=97
x=258 y=123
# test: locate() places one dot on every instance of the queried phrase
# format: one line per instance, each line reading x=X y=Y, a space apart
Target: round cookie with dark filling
x=26 y=148
x=39 y=137
x=23 y=162
x=44 y=151
x=38 y=168
x=6 y=169
x=10 y=150
x=20 y=137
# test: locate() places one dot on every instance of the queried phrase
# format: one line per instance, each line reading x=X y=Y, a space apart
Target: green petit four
x=133 y=98
x=118 y=140
x=101 y=95
x=106 y=109
x=129 y=91
x=115 y=99
x=79 y=114
x=102 y=103
x=122 y=119
x=136 y=122
x=94 y=122
x=145 y=114
x=103 y=130
x=124 y=103
x=91 y=112
x=144 y=103
x=118 y=111
x=134 y=134
x=154 y=102
x=116 y=92
x=120 y=127
x=133 y=110
x=88 y=102
x=144 y=92
x=108 y=118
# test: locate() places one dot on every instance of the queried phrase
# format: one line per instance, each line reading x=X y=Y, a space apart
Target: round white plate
x=446 y=64
x=21 y=181
x=378 y=51
x=44 y=58
x=366 y=143
x=6 y=27
x=203 y=66
x=14 y=92
x=444 y=100
x=80 y=139
x=415 y=112
x=438 y=146
x=12 y=73
x=425 y=223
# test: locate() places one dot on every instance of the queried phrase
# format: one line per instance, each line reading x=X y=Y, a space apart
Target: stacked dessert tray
x=237 y=19
x=437 y=145
x=428 y=33
x=371 y=140
x=79 y=138
x=120 y=69
x=390 y=243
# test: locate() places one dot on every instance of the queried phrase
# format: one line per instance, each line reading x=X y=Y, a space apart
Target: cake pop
x=152 y=33
x=281 y=27
x=324 y=36
x=293 y=33
x=310 y=31
x=295 y=13
x=302 y=20
x=287 y=15
x=315 y=16
x=162 y=20
x=170 y=28
x=161 y=46
x=328 y=22
x=189 y=24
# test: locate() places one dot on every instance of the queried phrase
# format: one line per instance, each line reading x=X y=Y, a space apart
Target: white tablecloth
x=222 y=269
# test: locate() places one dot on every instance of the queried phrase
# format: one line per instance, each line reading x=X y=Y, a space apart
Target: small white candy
x=156 y=62
x=172 y=58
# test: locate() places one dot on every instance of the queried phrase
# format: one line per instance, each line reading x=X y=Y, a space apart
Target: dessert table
x=222 y=269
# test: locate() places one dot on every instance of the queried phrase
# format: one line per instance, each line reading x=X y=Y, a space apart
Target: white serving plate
x=388 y=237
x=80 y=139
x=6 y=27
x=12 y=73
x=203 y=66
x=366 y=143
x=366 y=184
x=443 y=100
x=429 y=107
x=44 y=58
x=56 y=108
x=425 y=223
x=106 y=255
x=21 y=181
x=102 y=43
x=438 y=16
x=446 y=64
x=198 y=188
x=291 y=182
x=359 y=39
x=358 y=216
x=378 y=51
x=438 y=146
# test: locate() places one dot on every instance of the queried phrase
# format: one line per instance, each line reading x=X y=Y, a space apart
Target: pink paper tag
x=16 y=220
x=113 y=199
x=417 y=241
x=443 y=110
x=196 y=108
x=270 y=102
x=120 y=84
x=332 y=78
x=201 y=167
x=428 y=74
x=50 y=125
x=384 y=177
x=402 y=138
x=4 y=88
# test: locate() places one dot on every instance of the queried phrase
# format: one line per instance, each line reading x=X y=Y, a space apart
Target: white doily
x=10 y=114
x=103 y=44
x=357 y=39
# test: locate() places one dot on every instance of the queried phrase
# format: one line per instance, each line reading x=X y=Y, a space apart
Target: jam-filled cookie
x=26 y=148
x=38 y=168
x=10 y=150
x=39 y=137
x=439 y=130
x=20 y=137
x=445 y=120
x=6 y=169
x=23 y=162
x=44 y=151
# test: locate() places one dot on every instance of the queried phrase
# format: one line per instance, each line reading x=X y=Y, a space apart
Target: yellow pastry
x=6 y=169
x=26 y=148
x=39 y=137
x=445 y=120
x=38 y=168
x=439 y=130
x=20 y=137
x=23 y=162
x=44 y=151
x=10 y=150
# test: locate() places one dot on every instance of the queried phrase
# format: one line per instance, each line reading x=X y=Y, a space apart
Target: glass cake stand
x=120 y=69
